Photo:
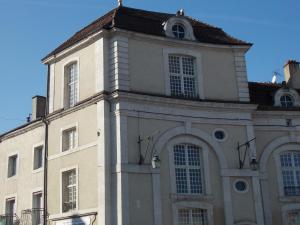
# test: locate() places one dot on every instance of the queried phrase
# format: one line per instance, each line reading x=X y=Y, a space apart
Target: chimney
x=292 y=74
x=38 y=107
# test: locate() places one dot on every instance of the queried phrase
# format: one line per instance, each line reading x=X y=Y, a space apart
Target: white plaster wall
x=26 y=180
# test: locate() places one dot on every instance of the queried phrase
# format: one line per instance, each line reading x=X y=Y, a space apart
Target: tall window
x=69 y=190
x=71 y=90
x=188 y=172
x=290 y=167
x=10 y=206
x=38 y=158
x=12 y=166
x=192 y=216
x=69 y=139
x=37 y=210
x=182 y=76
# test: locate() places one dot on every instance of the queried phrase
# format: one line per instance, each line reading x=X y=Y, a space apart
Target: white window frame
x=17 y=166
x=61 y=188
x=276 y=157
x=286 y=209
x=11 y=196
x=286 y=91
x=198 y=68
x=206 y=184
x=189 y=31
x=38 y=190
x=192 y=205
x=41 y=144
x=63 y=130
x=34 y=192
x=64 y=103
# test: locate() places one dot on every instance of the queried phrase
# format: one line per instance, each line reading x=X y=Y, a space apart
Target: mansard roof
x=147 y=22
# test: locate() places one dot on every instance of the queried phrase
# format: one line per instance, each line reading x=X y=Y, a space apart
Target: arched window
x=188 y=169
x=290 y=168
x=71 y=85
x=286 y=101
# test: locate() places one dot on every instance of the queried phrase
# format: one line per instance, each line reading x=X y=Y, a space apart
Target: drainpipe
x=46 y=123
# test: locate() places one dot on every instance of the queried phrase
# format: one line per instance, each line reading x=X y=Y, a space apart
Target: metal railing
x=32 y=216
x=9 y=219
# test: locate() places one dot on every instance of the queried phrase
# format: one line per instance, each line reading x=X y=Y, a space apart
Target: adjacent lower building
x=150 y=119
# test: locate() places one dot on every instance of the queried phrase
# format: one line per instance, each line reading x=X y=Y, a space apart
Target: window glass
x=178 y=31
x=71 y=85
x=69 y=190
x=38 y=158
x=286 y=101
x=69 y=139
x=192 y=216
x=182 y=76
x=290 y=173
x=188 y=171
x=12 y=166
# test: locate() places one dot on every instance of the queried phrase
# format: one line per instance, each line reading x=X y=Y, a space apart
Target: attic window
x=286 y=101
x=178 y=31
x=180 y=28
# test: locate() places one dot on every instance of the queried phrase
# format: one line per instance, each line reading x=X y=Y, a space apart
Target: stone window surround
x=63 y=82
x=198 y=68
x=198 y=205
x=74 y=125
x=17 y=166
x=204 y=167
x=41 y=144
x=286 y=91
x=60 y=188
x=7 y=197
x=286 y=209
x=276 y=156
x=189 y=31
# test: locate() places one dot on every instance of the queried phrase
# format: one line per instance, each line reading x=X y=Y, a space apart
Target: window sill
x=12 y=178
x=39 y=170
x=190 y=197
x=289 y=199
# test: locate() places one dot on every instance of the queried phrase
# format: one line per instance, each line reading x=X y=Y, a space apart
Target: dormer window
x=178 y=31
x=179 y=27
x=286 y=98
x=287 y=101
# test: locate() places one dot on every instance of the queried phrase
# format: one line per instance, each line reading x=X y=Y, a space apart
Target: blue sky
x=32 y=28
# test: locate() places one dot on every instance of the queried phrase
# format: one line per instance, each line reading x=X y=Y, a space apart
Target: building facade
x=150 y=119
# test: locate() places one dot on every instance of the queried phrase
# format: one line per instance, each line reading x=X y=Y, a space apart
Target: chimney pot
x=292 y=74
x=38 y=107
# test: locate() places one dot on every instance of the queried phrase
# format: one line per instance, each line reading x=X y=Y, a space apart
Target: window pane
x=286 y=159
x=181 y=180
x=289 y=183
x=193 y=155
x=179 y=155
x=183 y=217
x=296 y=159
x=189 y=87
x=174 y=64
x=199 y=217
x=195 y=181
x=188 y=65
x=175 y=85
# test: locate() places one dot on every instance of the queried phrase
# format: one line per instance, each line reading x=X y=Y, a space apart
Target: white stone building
x=150 y=119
